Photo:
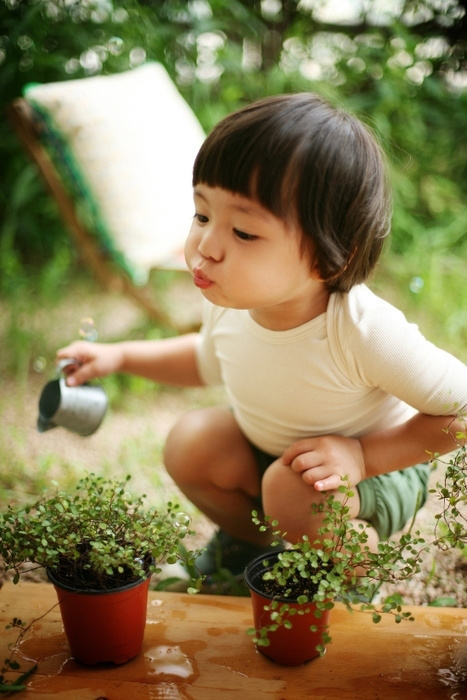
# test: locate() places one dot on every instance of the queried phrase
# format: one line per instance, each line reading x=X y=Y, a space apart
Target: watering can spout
x=44 y=424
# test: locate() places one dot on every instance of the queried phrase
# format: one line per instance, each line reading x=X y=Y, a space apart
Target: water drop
x=416 y=284
x=40 y=364
x=182 y=520
x=87 y=329
x=115 y=45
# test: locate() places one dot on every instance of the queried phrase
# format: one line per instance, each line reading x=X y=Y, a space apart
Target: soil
x=282 y=592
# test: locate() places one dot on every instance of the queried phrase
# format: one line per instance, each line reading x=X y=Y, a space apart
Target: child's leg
x=288 y=499
x=388 y=501
x=213 y=464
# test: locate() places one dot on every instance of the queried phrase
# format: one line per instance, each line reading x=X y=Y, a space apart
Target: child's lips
x=200 y=280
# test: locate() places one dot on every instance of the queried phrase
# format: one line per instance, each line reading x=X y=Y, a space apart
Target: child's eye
x=244 y=236
x=201 y=218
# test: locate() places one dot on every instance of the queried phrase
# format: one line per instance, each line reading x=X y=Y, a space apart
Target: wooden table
x=196 y=648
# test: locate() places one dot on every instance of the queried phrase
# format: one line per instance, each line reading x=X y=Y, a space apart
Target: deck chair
x=116 y=153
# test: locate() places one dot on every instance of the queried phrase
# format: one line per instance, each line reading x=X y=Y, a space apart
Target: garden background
x=400 y=66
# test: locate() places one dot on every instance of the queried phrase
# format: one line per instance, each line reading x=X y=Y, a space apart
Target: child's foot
x=225 y=552
x=222 y=564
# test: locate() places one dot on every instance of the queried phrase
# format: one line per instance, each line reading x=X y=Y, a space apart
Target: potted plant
x=99 y=545
x=294 y=590
x=451 y=491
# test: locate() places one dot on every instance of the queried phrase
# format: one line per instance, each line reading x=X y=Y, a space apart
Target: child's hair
x=309 y=163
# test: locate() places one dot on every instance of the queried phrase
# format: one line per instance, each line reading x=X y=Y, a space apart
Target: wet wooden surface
x=196 y=648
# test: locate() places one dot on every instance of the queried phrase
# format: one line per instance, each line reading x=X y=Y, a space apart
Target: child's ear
x=316 y=273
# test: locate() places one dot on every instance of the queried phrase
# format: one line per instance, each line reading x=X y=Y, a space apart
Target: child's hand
x=95 y=360
x=323 y=460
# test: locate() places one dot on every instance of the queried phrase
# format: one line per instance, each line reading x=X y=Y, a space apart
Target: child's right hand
x=95 y=360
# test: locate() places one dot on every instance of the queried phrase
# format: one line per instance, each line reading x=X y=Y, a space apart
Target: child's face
x=242 y=256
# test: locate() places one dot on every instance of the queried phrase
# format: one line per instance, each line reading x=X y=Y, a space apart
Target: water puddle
x=165 y=660
x=455 y=675
x=166 y=691
x=40 y=648
x=169 y=670
x=156 y=603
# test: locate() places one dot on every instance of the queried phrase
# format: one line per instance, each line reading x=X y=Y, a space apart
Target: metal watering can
x=80 y=409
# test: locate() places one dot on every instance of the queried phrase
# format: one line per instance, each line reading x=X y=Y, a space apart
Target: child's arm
x=170 y=361
x=324 y=460
x=376 y=347
x=412 y=442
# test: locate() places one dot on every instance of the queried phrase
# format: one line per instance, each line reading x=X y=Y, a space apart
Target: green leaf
x=444 y=602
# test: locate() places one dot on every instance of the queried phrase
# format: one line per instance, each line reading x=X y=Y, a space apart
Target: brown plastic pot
x=287 y=646
x=103 y=626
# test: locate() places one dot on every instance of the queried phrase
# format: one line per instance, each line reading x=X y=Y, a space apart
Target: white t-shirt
x=356 y=369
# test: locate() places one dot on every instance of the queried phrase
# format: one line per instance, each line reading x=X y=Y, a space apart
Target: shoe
x=225 y=553
x=222 y=564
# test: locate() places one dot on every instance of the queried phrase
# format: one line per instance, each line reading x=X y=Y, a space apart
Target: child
x=324 y=379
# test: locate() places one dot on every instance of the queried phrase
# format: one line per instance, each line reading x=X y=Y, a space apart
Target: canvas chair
x=116 y=153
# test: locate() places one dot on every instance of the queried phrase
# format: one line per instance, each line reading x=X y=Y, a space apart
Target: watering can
x=79 y=409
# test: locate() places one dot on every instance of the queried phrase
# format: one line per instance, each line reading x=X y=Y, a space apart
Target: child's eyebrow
x=251 y=209
x=197 y=193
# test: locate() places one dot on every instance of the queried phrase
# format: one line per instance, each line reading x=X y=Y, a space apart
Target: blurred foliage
x=402 y=70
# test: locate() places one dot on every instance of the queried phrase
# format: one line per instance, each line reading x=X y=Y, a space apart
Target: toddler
x=323 y=377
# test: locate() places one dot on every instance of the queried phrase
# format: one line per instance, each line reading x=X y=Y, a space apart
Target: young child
x=324 y=379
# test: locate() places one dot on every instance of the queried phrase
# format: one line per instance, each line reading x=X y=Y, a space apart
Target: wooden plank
x=196 y=648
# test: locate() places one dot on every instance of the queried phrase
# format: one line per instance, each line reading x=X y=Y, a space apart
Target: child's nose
x=210 y=245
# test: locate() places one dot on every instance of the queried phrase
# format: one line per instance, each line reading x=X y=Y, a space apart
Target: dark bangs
x=253 y=151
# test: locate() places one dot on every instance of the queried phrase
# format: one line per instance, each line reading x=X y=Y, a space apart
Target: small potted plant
x=99 y=545
x=294 y=590
x=451 y=491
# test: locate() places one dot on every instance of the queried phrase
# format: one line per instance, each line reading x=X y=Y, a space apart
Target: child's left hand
x=323 y=460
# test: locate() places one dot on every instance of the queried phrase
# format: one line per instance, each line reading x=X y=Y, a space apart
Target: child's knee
x=278 y=491
x=194 y=443
x=183 y=444
x=289 y=500
x=270 y=483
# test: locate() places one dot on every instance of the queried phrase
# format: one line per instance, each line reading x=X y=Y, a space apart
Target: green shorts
x=388 y=501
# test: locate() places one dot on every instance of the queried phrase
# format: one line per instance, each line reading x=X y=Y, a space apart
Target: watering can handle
x=70 y=363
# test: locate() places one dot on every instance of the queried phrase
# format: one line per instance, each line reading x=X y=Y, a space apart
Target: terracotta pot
x=289 y=647
x=104 y=626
